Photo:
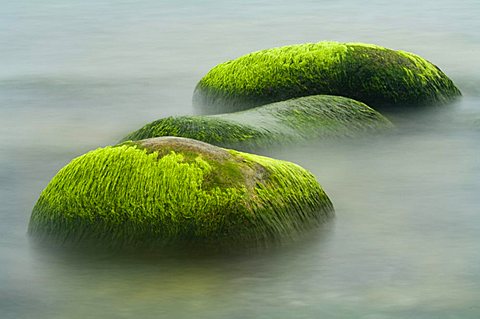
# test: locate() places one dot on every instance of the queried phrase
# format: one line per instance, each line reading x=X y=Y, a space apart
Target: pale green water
x=77 y=75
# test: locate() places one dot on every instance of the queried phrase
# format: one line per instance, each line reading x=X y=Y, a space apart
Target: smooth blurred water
x=77 y=75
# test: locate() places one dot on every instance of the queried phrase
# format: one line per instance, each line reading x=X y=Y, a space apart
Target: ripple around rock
x=303 y=119
x=166 y=190
x=368 y=73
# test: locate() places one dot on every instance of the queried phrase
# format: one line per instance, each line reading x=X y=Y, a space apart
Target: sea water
x=405 y=242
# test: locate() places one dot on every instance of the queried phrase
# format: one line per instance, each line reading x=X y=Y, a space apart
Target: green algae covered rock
x=295 y=120
x=368 y=73
x=169 y=189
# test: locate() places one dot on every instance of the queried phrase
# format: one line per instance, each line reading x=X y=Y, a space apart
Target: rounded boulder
x=310 y=118
x=166 y=190
x=371 y=74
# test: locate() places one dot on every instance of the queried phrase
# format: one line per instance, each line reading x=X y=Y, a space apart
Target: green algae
x=291 y=121
x=167 y=190
x=368 y=73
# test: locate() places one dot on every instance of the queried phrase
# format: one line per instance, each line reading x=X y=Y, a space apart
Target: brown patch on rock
x=165 y=144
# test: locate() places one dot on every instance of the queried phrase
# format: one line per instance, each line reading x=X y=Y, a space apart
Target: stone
x=371 y=74
x=175 y=190
x=318 y=117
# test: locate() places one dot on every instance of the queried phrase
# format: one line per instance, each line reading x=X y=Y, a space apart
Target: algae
x=166 y=190
x=368 y=73
x=291 y=121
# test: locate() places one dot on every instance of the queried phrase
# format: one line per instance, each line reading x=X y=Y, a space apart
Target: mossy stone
x=170 y=189
x=292 y=121
x=368 y=73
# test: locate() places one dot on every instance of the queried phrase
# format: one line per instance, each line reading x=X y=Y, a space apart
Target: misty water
x=405 y=242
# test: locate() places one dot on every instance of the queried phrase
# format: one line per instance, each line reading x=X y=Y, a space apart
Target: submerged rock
x=368 y=73
x=302 y=119
x=170 y=189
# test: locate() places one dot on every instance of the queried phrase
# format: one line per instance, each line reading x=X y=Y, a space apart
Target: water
x=77 y=75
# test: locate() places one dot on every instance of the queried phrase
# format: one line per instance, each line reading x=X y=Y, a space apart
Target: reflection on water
x=405 y=242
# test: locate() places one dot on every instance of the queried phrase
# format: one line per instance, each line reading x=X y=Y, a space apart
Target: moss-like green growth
x=166 y=190
x=368 y=73
x=296 y=120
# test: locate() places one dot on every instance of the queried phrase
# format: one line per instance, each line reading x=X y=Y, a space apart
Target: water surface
x=405 y=243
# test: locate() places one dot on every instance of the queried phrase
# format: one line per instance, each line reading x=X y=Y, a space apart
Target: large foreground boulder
x=166 y=190
x=303 y=119
x=368 y=73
